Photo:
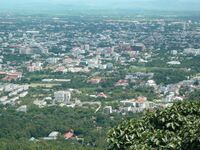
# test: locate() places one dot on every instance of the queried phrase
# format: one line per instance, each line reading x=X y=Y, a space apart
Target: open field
x=34 y=85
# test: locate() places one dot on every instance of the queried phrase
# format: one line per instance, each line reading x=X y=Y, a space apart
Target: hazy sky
x=102 y=4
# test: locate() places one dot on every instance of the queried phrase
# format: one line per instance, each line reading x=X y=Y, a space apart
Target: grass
x=47 y=85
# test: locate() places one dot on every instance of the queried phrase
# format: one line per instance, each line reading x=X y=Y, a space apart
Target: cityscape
x=66 y=80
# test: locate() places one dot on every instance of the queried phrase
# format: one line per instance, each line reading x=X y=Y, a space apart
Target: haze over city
x=40 y=5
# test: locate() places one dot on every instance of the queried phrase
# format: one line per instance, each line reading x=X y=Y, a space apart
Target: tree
x=174 y=128
x=195 y=95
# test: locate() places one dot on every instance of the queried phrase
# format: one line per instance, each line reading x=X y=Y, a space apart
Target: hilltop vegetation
x=18 y=127
x=174 y=128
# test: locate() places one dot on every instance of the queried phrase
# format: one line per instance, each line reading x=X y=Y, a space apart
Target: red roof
x=60 y=69
x=16 y=74
x=141 y=99
x=95 y=80
x=122 y=81
x=69 y=135
x=7 y=78
x=2 y=73
x=102 y=95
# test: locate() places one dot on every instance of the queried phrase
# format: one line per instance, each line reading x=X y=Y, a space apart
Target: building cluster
x=92 y=50
x=55 y=135
x=81 y=48
x=11 y=93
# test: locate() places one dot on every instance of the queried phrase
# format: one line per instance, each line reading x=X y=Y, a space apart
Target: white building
x=3 y=99
x=192 y=51
x=22 y=108
x=40 y=103
x=62 y=97
x=87 y=47
x=151 y=83
x=52 y=136
x=140 y=102
x=108 y=110
x=174 y=63
x=53 y=60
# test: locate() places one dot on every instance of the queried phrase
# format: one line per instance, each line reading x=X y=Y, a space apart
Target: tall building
x=87 y=47
x=62 y=97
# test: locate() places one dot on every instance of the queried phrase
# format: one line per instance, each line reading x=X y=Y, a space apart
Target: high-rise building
x=62 y=97
x=87 y=47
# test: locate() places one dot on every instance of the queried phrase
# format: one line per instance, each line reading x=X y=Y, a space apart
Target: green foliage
x=41 y=145
x=18 y=127
x=16 y=58
x=175 y=128
x=169 y=76
x=2 y=76
x=195 y=95
x=40 y=122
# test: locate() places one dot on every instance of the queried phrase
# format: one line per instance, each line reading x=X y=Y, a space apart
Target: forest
x=18 y=127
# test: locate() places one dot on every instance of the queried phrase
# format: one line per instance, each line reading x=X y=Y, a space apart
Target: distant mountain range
x=48 y=5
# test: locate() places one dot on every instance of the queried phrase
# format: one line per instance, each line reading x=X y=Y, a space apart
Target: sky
x=189 y=5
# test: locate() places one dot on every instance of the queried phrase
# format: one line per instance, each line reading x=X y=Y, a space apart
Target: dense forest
x=18 y=127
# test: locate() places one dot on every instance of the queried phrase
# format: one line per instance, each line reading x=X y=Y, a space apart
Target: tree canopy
x=173 y=128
